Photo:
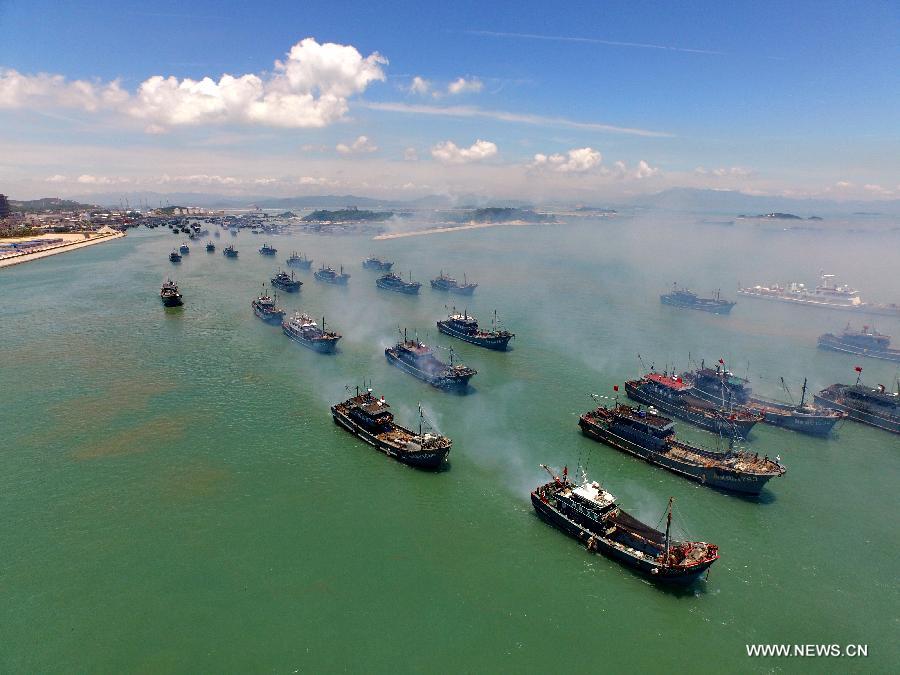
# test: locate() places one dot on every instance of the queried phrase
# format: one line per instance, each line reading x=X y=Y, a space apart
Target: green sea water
x=175 y=496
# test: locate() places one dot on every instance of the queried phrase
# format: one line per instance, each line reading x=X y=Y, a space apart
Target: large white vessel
x=828 y=293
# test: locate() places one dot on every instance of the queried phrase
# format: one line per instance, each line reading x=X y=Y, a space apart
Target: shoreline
x=457 y=228
x=65 y=247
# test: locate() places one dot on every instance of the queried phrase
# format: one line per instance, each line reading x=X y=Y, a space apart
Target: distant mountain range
x=687 y=200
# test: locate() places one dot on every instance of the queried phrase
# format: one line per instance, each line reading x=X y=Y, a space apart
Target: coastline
x=457 y=228
x=73 y=242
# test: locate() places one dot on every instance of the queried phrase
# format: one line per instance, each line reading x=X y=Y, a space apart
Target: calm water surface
x=176 y=497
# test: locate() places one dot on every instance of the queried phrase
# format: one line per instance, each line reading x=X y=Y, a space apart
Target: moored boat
x=864 y=342
x=299 y=261
x=184 y=249
x=417 y=359
x=675 y=397
x=170 y=295
x=685 y=298
x=303 y=329
x=265 y=308
x=373 y=263
x=210 y=247
x=175 y=257
x=371 y=420
x=394 y=282
x=331 y=276
x=650 y=436
x=876 y=407
x=286 y=282
x=230 y=252
x=266 y=249
x=465 y=327
x=445 y=283
x=590 y=514
x=807 y=418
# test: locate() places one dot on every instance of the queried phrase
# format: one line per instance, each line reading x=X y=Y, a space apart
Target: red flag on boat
x=858 y=369
x=722 y=362
x=565 y=471
x=615 y=387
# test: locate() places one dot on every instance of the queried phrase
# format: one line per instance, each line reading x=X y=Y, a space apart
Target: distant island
x=779 y=216
x=495 y=214
x=49 y=205
x=349 y=215
x=596 y=209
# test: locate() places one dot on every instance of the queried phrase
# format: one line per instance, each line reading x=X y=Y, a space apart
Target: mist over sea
x=176 y=496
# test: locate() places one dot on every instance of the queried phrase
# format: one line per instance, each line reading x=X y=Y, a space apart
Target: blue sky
x=585 y=100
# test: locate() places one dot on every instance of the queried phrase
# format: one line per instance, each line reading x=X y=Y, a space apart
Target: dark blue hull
x=321 y=346
x=718 y=424
x=496 y=343
x=435 y=380
x=711 y=307
x=595 y=541
x=712 y=476
x=406 y=289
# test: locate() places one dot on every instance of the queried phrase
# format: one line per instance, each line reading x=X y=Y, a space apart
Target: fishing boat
x=864 y=342
x=265 y=308
x=175 y=257
x=394 y=282
x=806 y=418
x=303 y=329
x=371 y=420
x=184 y=249
x=266 y=249
x=169 y=294
x=590 y=514
x=286 y=282
x=230 y=252
x=299 y=261
x=674 y=396
x=330 y=276
x=687 y=299
x=650 y=436
x=876 y=406
x=210 y=247
x=449 y=284
x=417 y=359
x=465 y=327
x=373 y=263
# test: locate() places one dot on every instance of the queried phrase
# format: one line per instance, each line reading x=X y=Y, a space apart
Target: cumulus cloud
x=315 y=180
x=88 y=179
x=843 y=184
x=310 y=88
x=419 y=85
x=410 y=154
x=449 y=153
x=44 y=90
x=463 y=86
x=57 y=178
x=722 y=172
x=361 y=145
x=644 y=170
x=577 y=160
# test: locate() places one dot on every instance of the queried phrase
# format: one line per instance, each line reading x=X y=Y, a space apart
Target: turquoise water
x=176 y=497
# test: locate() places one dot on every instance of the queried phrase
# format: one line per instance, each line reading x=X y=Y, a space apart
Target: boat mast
x=668 y=528
x=803 y=393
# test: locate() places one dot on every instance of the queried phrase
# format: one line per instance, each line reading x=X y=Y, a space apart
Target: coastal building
x=4 y=207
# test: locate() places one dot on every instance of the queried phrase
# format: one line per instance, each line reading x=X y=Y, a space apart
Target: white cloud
x=576 y=160
x=44 y=90
x=843 y=185
x=310 y=88
x=463 y=86
x=410 y=154
x=722 y=172
x=877 y=189
x=88 y=179
x=644 y=170
x=419 y=85
x=449 y=153
x=58 y=178
x=361 y=145
x=315 y=180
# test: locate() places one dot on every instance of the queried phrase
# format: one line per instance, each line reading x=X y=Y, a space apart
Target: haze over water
x=178 y=498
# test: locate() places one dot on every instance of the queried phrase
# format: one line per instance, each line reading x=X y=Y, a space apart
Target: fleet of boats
x=714 y=399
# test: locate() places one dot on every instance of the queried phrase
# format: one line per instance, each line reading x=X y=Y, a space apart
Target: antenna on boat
x=421 y=417
x=668 y=528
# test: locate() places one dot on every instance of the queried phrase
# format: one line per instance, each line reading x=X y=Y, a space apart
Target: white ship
x=828 y=293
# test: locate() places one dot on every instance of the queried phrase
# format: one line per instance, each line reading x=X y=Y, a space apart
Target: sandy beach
x=70 y=242
x=454 y=228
